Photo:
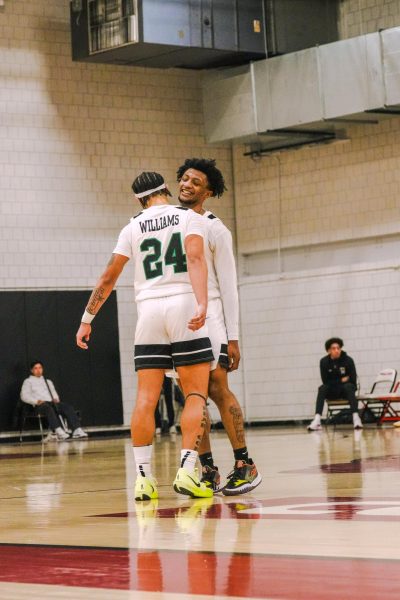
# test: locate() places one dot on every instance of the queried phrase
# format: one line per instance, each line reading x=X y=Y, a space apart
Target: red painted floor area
x=243 y=575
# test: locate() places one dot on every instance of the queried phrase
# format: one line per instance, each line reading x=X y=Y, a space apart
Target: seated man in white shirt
x=41 y=393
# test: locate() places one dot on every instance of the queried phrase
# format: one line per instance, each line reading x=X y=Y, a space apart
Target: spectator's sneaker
x=211 y=477
x=242 y=479
x=357 y=424
x=315 y=424
x=61 y=434
x=158 y=430
x=145 y=488
x=79 y=434
x=397 y=424
x=50 y=437
x=189 y=484
x=172 y=429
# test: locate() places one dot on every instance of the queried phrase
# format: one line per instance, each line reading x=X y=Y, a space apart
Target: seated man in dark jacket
x=339 y=380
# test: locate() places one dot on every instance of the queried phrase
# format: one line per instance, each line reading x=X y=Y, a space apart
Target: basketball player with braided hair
x=200 y=179
x=166 y=244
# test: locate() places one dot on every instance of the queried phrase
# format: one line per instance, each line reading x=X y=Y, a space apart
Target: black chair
x=27 y=412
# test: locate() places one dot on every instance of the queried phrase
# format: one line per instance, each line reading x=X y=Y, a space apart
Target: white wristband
x=87 y=317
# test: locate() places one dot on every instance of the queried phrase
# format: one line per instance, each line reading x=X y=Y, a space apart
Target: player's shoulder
x=215 y=224
x=213 y=220
x=211 y=216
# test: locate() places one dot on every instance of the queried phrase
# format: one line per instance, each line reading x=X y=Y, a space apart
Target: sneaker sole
x=185 y=492
x=244 y=489
x=144 y=497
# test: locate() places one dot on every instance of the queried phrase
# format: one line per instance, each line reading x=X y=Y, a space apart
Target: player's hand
x=39 y=402
x=83 y=335
x=56 y=400
x=345 y=379
x=233 y=355
x=199 y=319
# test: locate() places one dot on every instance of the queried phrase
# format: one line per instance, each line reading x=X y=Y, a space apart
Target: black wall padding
x=42 y=326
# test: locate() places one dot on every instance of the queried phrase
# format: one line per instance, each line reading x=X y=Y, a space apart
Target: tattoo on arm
x=95 y=300
x=237 y=419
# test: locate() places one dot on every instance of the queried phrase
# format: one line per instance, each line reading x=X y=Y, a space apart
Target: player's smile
x=185 y=193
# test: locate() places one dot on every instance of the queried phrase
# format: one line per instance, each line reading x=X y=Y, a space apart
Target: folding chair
x=390 y=412
x=384 y=390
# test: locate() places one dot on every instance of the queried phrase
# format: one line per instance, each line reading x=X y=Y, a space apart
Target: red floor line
x=242 y=575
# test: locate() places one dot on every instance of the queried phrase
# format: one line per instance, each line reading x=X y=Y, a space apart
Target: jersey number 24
x=174 y=255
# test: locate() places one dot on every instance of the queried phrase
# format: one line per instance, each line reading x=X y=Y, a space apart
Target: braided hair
x=216 y=182
x=149 y=180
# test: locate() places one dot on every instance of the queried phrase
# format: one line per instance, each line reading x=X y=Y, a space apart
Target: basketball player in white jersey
x=166 y=244
x=199 y=179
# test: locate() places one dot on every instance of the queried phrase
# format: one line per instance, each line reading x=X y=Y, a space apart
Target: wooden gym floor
x=324 y=524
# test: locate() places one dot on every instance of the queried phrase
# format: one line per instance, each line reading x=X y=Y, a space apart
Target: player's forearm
x=99 y=295
x=230 y=307
x=198 y=274
x=106 y=283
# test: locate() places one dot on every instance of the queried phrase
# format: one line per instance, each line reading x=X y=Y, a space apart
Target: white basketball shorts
x=217 y=334
x=163 y=339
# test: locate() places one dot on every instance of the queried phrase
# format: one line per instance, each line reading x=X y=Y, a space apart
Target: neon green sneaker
x=145 y=488
x=189 y=484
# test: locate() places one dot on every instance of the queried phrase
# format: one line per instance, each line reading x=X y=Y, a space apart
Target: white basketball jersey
x=155 y=239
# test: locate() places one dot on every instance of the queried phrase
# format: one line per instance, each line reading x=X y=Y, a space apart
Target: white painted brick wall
x=285 y=325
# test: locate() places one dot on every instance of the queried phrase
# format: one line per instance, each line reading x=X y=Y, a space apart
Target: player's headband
x=148 y=192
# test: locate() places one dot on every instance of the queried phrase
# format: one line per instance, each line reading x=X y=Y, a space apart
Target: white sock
x=317 y=418
x=188 y=459
x=142 y=456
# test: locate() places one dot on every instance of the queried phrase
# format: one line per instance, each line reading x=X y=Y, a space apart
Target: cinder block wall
x=358 y=17
x=72 y=138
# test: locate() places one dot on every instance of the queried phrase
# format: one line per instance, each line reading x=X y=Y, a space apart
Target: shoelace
x=238 y=472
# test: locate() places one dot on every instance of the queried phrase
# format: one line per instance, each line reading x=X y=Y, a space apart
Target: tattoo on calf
x=203 y=424
x=95 y=299
x=237 y=419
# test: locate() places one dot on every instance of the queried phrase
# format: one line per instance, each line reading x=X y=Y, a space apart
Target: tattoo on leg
x=203 y=424
x=237 y=419
x=95 y=299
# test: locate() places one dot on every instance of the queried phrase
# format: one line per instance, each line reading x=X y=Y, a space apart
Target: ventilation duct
x=305 y=96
